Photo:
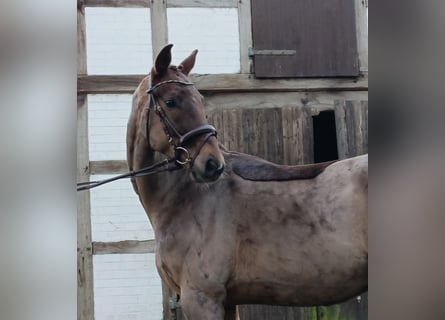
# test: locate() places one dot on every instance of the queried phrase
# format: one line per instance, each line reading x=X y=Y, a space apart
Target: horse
x=231 y=228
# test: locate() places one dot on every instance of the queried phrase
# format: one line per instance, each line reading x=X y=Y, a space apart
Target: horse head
x=177 y=125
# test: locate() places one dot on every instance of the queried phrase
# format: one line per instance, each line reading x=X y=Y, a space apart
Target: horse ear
x=163 y=60
x=187 y=65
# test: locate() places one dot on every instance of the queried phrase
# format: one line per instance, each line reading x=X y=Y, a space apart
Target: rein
x=156 y=168
x=179 y=148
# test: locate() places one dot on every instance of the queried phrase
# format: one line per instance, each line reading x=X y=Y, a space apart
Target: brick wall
x=118 y=40
x=126 y=287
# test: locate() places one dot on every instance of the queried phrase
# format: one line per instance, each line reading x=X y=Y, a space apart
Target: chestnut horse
x=235 y=229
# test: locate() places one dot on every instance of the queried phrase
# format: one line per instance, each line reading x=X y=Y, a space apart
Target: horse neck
x=161 y=190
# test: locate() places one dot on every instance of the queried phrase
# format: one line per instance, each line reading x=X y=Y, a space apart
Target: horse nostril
x=213 y=169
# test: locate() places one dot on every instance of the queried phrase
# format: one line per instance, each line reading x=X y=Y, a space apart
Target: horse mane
x=254 y=168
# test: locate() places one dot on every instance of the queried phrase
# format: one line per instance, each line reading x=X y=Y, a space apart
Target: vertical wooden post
x=245 y=34
x=361 y=21
x=159 y=26
x=351 y=121
x=85 y=296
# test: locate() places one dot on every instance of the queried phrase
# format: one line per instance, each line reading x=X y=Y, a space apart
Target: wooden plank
x=108 y=167
x=224 y=83
x=233 y=130
x=261 y=133
x=228 y=124
x=361 y=9
x=108 y=84
x=245 y=35
x=81 y=41
x=122 y=247
x=323 y=33
x=351 y=120
x=261 y=312
x=159 y=28
x=85 y=293
x=118 y=3
x=298 y=145
x=202 y=3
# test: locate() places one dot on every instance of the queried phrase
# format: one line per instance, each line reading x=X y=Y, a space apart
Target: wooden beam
x=351 y=121
x=215 y=83
x=122 y=247
x=108 y=167
x=159 y=28
x=108 y=84
x=85 y=293
x=118 y=3
x=245 y=35
x=361 y=21
x=81 y=40
x=202 y=3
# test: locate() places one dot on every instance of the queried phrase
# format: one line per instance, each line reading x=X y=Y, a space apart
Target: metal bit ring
x=181 y=149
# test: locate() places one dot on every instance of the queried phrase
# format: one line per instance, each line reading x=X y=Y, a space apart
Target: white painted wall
x=213 y=31
x=116 y=213
x=118 y=42
x=126 y=286
x=107 y=125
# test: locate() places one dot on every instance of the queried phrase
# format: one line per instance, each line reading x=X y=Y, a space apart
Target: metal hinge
x=252 y=52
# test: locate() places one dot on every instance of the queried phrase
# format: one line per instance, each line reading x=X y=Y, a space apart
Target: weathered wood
x=353 y=309
x=202 y=3
x=165 y=301
x=85 y=293
x=228 y=123
x=245 y=35
x=171 y=304
x=81 y=41
x=259 y=131
x=159 y=28
x=322 y=33
x=108 y=167
x=313 y=101
x=108 y=84
x=361 y=9
x=118 y=3
x=224 y=83
x=261 y=312
x=123 y=247
x=298 y=145
x=351 y=120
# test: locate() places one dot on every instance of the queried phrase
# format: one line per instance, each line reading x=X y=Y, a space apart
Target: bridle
x=170 y=131
x=178 y=144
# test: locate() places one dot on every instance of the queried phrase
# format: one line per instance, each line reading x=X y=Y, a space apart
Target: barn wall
x=119 y=42
x=126 y=286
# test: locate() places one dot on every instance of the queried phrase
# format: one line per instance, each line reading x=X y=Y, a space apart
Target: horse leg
x=231 y=313
x=196 y=305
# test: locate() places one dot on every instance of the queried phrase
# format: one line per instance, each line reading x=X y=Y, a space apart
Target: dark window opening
x=325 y=137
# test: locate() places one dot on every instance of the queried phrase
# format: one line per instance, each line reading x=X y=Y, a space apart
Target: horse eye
x=170 y=103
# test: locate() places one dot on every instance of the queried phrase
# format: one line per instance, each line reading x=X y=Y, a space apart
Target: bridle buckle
x=178 y=151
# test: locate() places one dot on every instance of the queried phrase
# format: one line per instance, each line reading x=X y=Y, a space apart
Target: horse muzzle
x=208 y=166
x=213 y=169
